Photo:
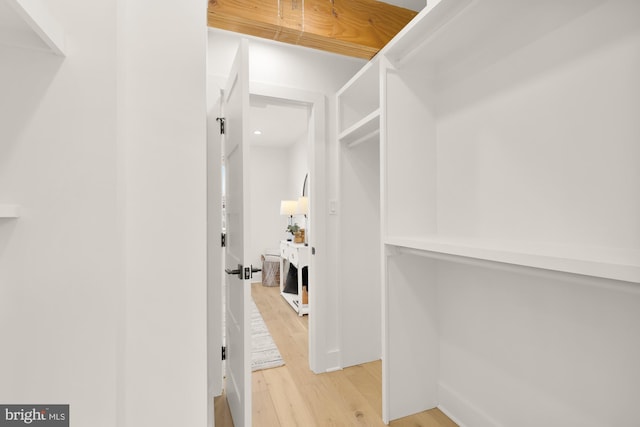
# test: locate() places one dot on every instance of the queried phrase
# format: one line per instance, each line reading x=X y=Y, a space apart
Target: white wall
x=361 y=307
x=102 y=279
x=163 y=105
x=580 y=175
x=310 y=70
x=277 y=173
x=531 y=350
x=61 y=263
x=269 y=182
x=298 y=169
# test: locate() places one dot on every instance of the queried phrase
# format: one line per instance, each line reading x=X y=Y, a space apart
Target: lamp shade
x=303 y=206
x=288 y=207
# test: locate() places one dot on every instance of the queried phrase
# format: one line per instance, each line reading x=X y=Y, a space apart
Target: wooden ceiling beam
x=357 y=28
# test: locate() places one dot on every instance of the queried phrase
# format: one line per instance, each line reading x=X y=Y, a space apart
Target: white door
x=238 y=277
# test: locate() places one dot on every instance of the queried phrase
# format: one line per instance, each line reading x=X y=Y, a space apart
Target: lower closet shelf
x=608 y=263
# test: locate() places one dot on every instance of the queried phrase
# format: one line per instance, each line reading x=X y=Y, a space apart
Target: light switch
x=333 y=207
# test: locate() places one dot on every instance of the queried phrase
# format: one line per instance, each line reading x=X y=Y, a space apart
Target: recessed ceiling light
x=257 y=132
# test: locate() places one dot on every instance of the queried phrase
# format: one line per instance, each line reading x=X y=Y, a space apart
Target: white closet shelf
x=609 y=263
x=25 y=24
x=364 y=130
x=439 y=34
x=9 y=211
x=422 y=29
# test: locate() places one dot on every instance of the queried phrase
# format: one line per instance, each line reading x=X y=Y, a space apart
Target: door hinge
x=223 y=240
x=221 y=121
x=224 y=353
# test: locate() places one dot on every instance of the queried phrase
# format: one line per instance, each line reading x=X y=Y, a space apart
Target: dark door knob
x=240 y=272
x=236 y=272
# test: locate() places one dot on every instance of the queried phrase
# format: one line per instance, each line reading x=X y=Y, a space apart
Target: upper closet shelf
x=438 y=36
x=421 y=29
x=26 y=24
x=362 y=131
x=9 y=211
x=609 y=263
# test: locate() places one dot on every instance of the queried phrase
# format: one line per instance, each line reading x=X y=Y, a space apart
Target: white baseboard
x=451 y=416
x=462 y=411
x=333 y=361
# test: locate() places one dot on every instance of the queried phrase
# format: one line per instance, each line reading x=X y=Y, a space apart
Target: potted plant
x=297 y=232
x=292 y=229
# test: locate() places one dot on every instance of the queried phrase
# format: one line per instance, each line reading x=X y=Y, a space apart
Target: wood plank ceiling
x=357 y=28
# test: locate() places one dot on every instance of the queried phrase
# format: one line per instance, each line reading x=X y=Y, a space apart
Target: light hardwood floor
x=292 y=395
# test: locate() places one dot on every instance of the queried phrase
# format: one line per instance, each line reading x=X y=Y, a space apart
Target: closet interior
x=506 y=169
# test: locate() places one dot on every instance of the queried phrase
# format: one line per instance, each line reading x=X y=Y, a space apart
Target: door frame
x=215 y=266
x=318 y=298
x=316 y=152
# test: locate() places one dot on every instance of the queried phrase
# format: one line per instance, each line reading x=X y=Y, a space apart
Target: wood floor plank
x=292 y=395
x=323 y=406
x=368 y=385
x=263 y=409
x=441 y=419
x=431 y=418
x=221 y=411
x=375 y=369
x=290 y=405
x=258 y=381
x=360 y=410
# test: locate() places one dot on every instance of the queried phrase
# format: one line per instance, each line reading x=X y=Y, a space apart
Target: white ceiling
x=282 y=123
x=416 y=5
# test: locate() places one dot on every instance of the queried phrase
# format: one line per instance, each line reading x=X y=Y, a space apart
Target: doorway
x=313 y=105
x=279 y=140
